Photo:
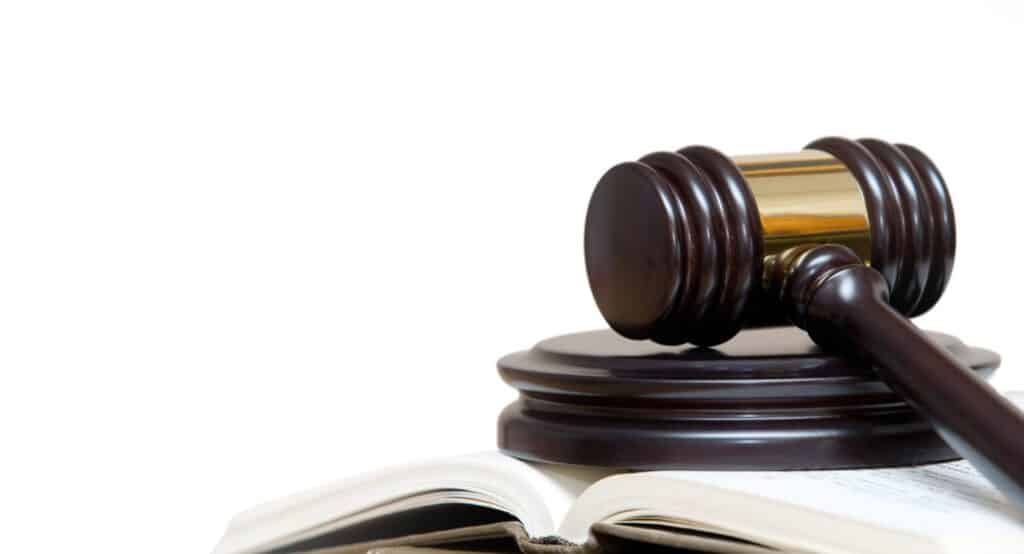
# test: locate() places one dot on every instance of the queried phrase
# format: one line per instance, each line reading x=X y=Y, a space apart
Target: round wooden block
x=768 y=399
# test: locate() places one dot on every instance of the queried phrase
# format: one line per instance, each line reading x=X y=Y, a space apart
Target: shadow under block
x=769 y=399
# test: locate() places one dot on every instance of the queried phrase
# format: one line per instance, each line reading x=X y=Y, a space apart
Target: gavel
x=846 y=239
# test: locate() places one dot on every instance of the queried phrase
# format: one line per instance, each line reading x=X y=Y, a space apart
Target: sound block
x=768 y=399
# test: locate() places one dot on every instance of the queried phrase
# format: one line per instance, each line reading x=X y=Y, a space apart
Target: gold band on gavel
x=807 y=197
x=683 y=246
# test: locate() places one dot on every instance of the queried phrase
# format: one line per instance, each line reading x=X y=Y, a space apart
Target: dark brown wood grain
x=845 y=305
x=668 y=258
x=767 y=399
x=674 y=247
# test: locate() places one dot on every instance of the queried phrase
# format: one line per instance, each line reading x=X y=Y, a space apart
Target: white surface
x=241 y=240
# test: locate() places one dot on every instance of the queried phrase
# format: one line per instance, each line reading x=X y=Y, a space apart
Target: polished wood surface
x=913 y=232
x=675 y=242
x=675 y=255
x=767 y=399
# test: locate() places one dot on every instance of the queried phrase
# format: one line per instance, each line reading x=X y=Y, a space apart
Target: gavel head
x=677 y=243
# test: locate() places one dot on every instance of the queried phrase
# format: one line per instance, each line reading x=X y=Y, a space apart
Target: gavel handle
x=849 y=308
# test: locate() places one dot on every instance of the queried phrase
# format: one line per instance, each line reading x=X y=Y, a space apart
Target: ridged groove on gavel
x=676 y=242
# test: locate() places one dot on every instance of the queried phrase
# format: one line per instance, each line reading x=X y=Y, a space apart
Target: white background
x=249 y=247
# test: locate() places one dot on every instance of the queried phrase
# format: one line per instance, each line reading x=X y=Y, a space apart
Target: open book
x=491 y=502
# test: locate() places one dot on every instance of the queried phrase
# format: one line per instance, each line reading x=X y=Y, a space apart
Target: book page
x=913 y=509
x=925 y=498
x=947 y=504
x=537 y=495
x=942 y=500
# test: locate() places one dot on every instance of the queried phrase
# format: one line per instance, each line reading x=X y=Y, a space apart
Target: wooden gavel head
x=680 y=246
x=846 y=240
